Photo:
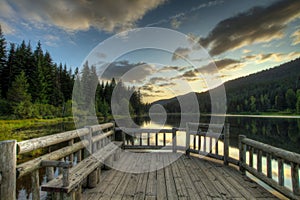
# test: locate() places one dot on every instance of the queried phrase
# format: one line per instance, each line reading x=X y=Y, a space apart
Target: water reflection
x=279 y=132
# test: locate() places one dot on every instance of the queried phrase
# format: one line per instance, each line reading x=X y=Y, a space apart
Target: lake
x=282 y=132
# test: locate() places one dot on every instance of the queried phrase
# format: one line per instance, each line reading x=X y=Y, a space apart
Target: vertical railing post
x=295 y=178
x=280 y=171
x=35 y=185
x=242 y=154
x=269 y=165
x=8 y=169
x=226 y=144
x=187 y=140
x=174 y=142
x=259 y=161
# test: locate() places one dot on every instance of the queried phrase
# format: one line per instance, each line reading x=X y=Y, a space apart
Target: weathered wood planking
x=41 y=142
x=7 y=169
x=282 y=157
x=187 y=178
x=81 y=171
x=35 y=164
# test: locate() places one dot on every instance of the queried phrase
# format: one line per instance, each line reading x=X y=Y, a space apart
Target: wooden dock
x=191 y=178
x=202 y=168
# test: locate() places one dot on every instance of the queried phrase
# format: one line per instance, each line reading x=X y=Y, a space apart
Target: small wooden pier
x=108 y=162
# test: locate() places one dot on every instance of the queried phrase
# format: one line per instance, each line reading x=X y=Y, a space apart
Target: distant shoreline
x=256 y=115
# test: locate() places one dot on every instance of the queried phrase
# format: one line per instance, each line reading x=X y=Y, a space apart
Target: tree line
x=33 y=86
x=90 y=95
x=273 y=90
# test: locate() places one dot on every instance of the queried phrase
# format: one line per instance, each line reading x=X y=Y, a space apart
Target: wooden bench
x=69 y=183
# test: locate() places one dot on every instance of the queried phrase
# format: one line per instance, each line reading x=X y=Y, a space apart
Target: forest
x=276 y=90
x=33 y=86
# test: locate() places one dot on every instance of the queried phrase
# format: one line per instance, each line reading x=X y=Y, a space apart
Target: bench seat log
x=79 y=172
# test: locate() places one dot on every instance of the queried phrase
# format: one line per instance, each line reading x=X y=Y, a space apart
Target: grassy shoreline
x=11 y=129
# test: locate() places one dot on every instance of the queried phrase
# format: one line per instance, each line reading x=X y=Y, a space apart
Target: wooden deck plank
x=196 y=179
x=192 y=191
x=169 y=180
x=187 y=178
x=161 y=184
x=120 y=190
x=134 y=177
x=180 y=186
x=152 y=179
x=143 y=178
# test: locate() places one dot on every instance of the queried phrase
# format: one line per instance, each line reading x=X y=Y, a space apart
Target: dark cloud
x=181 y=53
x=259 y=24
x=220 y=64
x=154 y=80
x=167 y=84
x=128 y=72
x=189 y=74
x=173 y=68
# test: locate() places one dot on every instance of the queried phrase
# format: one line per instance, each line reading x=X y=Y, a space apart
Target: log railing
x=249 y=148
x=204 y=139
x=74 y=146
x=139 y=138
x=69 y=147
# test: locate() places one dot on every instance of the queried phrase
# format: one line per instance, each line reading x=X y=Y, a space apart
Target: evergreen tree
x=290 y=98
x=2 y=57
x=19 y=97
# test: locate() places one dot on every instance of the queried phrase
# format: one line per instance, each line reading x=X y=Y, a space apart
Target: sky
x=230 y=38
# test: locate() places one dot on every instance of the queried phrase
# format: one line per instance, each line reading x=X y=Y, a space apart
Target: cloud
x=273 y=57
x=296 y=37
x=222 y=64
x=257 y=25
x=181 y=53
x=167 y=84
x=155 y=80
x=173 y=68
x=74 y=15
x=7 y=29
x=176 y=20
x=51 y=40
x=128 y=72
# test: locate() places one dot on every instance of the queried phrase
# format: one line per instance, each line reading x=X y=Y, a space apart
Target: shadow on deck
x=186 y=178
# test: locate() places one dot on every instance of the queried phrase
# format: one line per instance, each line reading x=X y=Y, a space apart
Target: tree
x=290 y=98
x=253 y=104
x=2 y=57
x=298 y=102
x=19 y=97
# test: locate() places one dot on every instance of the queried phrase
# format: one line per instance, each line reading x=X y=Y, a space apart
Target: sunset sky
x=241 y=36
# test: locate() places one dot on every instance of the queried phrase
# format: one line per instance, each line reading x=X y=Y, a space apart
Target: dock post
x=242 y=154
x=8 y=169
x=174 y=142
x=226 y=144
x=187 y=140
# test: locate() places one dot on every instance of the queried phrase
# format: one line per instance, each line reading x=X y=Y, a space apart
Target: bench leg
x=108 y=163
x=92 y=179
x=70 y=196
x=78 y=193
x=117 y=154
x=99 y=174
x=53 y=196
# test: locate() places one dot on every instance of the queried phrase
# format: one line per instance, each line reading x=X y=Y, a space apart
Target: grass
x=16 y=129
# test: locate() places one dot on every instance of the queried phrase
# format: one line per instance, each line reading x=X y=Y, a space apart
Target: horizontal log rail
x=80 y=144
x=201 y=139
x=273 y=154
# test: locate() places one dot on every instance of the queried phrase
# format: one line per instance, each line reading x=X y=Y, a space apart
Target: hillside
x=270 y=90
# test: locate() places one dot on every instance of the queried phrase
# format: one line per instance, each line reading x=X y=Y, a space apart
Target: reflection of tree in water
x=279 y=132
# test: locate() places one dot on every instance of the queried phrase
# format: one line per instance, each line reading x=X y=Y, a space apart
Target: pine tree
x=19 y=97
x=2 y=57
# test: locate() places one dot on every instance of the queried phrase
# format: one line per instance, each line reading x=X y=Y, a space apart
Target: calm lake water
x=279 y=132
